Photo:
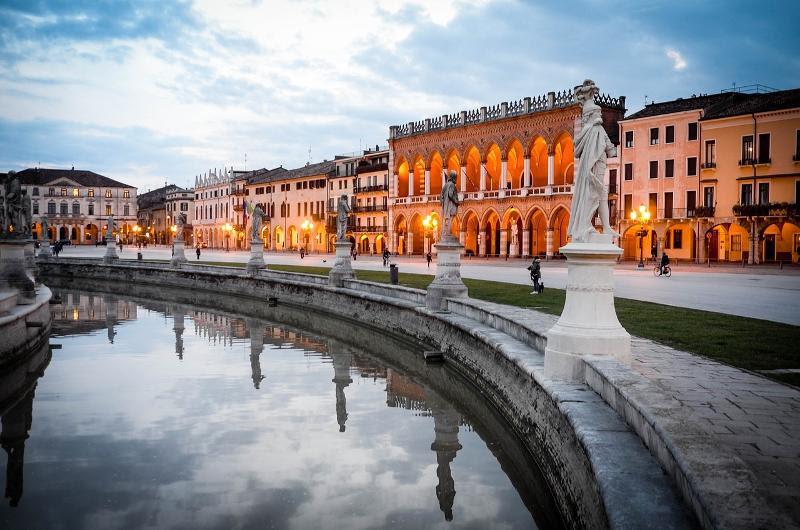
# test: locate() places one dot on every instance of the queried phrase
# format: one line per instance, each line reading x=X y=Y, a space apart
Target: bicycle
x=667 y=271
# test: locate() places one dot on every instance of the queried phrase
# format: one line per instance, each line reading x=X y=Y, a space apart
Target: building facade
x=515 y=167
x=213 y=209
x=178 y=201
x=78 y=203
x=719 y=175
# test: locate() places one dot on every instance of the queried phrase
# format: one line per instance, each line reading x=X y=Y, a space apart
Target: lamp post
x=307 y=226
x=429 y=224
x=642 y=216
x=227 y=228
x=136 y=230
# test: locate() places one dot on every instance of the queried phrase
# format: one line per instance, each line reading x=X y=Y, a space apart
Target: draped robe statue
x=450 y=203
x=180 y=221
x=342 y=209
x=592 y=147
x=256 y=220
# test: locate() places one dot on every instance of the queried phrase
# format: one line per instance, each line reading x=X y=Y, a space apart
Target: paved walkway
x=759 y=292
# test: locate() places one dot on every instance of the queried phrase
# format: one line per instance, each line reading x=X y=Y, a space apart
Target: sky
x=154 y=92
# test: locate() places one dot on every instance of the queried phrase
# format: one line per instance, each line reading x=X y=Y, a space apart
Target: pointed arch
x=418 y=180
x=563 y=159
x=473 y=162
x=538 y=154
x=436 y=165
x=403 y=174
x=515 y=163
x=493 y=167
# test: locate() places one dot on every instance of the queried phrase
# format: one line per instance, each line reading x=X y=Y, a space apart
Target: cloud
x=678 y=62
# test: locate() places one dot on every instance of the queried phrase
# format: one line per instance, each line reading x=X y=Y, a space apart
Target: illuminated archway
x=539 y=162
x=401 y=232
x=490 y=232
x=493 y=167
x=559 y=222
x=537 y=233
x=473 y=169
x=515 y=164
x=512 y=225
x=472 y=227
x=418 y=184
x=563 y=160
x=436 y=166
x=402 y=178
x=417 y=233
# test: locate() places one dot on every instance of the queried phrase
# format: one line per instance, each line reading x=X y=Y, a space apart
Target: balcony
x=765 y=161
x=709 y=165
x=770 y=209
x=370 y=208
x=700 y=211
x=237 y=208
x=369 y=189
x=368 y=229
x=370 y=168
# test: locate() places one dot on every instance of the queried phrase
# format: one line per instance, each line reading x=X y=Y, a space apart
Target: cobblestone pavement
x=758 y=292
x=755 y=418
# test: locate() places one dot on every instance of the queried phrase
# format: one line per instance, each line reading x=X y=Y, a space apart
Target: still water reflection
x=168 y=416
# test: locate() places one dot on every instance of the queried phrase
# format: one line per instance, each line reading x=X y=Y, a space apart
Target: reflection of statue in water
x=16 y=424
x=449 y=198
x=342 y=210
x=592 y=147
x=342 y=379
x=257 y=219
x=445 y=424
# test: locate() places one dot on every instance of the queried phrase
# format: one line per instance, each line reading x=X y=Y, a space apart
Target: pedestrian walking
x=198 y=253
x=302 y=252
x=535 y=269
x=428 y=258
x=385 y=257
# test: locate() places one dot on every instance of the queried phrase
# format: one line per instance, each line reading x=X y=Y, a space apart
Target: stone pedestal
x=341 y=267
x=111 y=251
x=45 y=252
x=13 y=276
x=447 y=283
x=30 y=258
x=256 y=256
x=178 y=255
x=588 y=325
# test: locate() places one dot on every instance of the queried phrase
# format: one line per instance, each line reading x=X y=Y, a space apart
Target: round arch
x=379 y=244
x=537 y=232
x=416 y=235
x=402 y=177
x=418 y=176
x=490 y=232
x=559 y=221
x=471 y=226
x=779 y=242
x=512 y=224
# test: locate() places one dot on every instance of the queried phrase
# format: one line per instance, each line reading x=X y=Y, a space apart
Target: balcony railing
x=709 y=165
x=371 y=208
x=369 y=229
x=754 y=161
x=771 y=209
x=367 y=189
x=369 y=168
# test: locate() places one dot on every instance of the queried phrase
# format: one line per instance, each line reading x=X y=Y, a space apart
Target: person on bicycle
x=664 y=263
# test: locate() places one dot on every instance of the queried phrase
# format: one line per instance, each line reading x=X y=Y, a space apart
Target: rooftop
x=680 y=105
x=42 y=177
x=755 y=103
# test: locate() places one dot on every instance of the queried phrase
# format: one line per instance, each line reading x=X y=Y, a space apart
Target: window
x=711 y=153
x=126 y=210
x=75 y=192
x=298 y=209
x=669 y=134
x=64 y=208
x=747 y=195
x=76 y=208
x=669 y=168
x=90 y=193
x=108 y=194
x=691 y=166
x=36 y=192
x=629 y=138
x=797 y=145
x=51 y=208
x=652 y=204
x=668 y=205
x=654 y=136
x=36 y=208
x=612 y=181
x=796 y=191
x=693 y=131
x=91 y=209
x=184 y=206
x=126 y=194
x=108 y=209
x=691 y=203
x=629 y=171
x=653 y=169
x=763 y=148
x=677 y=239
x=708 y=197
x=763 y=192
x=627 y=205
x=747 y=150
x=736 y=243
x=63 y=192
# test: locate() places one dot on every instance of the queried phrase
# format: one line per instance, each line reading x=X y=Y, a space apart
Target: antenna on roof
x=645 y=100
x=309 y=153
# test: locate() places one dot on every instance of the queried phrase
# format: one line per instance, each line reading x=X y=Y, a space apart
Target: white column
x=409 y=243
x=444 y=177
x=483 y=178
x=548 y=243
x=551 y=169
x=526 y=242
x=81 y=240
x=503 y=242
x=396 y=185
x=526 y=172
x=482 y=246
x=410 y=183
x=427 y=182
x=503 y=174
x=463 y=187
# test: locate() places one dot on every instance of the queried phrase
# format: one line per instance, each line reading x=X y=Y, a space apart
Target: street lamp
x=642 y=216
x=306 y=226
x=429 y=224
x=227 y=229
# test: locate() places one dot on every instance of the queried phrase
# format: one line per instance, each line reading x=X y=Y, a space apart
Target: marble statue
x=45 y=225
x=27 y=215
x=14 y=214
x=342 y=209
x=110 y=227
x=450 y=204
x=592 y=148
x=180 y=221
x=257 y=220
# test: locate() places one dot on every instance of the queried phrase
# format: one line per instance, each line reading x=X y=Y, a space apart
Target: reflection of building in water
x=219 y=328
x=83 y=313
x=342 y=359
x=178 y=326
x=404 y=393
x=445 y=425
x=256 y=347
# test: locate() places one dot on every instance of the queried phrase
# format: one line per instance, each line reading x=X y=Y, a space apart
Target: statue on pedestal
x=45 y=228
x=342 y=210
x=180 y=221
x=257 y=220
x=449 y=198
x=14 y=209
x=110 y=227
x=592 y=147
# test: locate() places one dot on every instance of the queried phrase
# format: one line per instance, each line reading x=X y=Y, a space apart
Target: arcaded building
x=515 y=168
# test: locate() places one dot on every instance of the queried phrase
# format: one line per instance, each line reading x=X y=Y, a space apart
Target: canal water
x=148 y=414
